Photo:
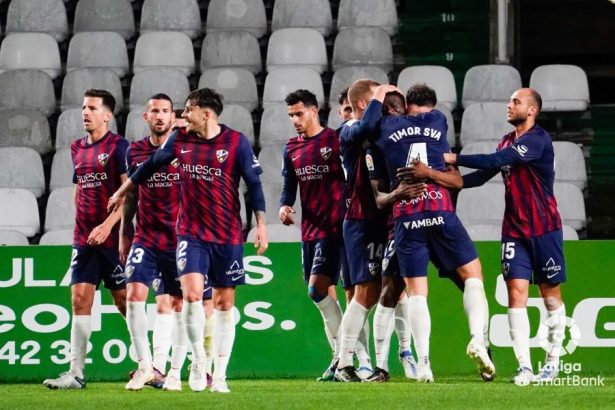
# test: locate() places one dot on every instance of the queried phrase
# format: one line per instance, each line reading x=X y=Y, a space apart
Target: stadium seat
x=22 y=168
x=276 y=127
x=365 y=13
x=78 y=80
x=570 y=164
x=361 y=46
x=60 y=213
x=238 y=118
x=489 y=199
x=168 y=80
x=483 y=147
x=105 y=15
x=484 y=122
x=25 y=128
x=13 y=238
x=164 y=49
x=59 y=237
x=70 y=127
x=37 y=51
x=19 y=211
x=272 y=197
x=292 y=47
x=179 y=15
x=62 y=170
x=333 y=120
x=437 y=77
x=489 y=83
x=248 y=15
x=484 y=232
x=569 y=233
x=29 y=89
x=98 y=50
x=270 y=158
x=571 y=205
x=450 y=134
x=37 y=16
x=279 y=83
x=314 y=14
x=238 y=49
x=562 y=87
x=237 y=85
x=136 y=127
x=344 y=77
x=277 y=232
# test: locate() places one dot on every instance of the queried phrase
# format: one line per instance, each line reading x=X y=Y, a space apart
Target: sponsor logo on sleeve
x=369 y=162
x=521 y=149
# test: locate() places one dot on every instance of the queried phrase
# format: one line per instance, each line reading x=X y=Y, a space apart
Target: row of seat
x=49 y=16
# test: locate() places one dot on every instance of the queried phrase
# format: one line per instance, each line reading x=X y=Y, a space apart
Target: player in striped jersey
x=532 y=238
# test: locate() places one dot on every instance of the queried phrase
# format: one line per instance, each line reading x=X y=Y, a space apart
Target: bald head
x=524 y=106
x=359 y=94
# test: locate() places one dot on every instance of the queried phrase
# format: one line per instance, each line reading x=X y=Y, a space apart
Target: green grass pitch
x=447 y=392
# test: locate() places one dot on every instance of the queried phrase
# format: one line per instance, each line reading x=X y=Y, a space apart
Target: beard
x=516 y=120
x=161 y=132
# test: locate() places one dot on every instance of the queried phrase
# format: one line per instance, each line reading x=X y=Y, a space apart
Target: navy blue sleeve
x=525 y=149
x=364 y=127
x=478 y=178
x=376 y=167
x=119 y=155
x=163 y=156
x=129 y=168
x=250 y=171
x=289 y=180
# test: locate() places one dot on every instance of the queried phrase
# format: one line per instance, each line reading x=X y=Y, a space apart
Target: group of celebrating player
x=376 y=208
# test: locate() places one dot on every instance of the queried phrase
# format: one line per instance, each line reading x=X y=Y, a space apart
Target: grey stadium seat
x=22 y=168
x=77 y=81
x=62 y=170
x=276 y=127
x=237 y=85
x=489 y=199
x=484 y=122
x=105 y=15
x=363 y=13
x=270 y=158
x=562 y=87
x=361 y=46
x=38 y=16
x=489 y=83
x=344 y=77
x=437 y=77
x=19 y=211
x=333 y=120
x=25 y=128
x=98 y=50
x=136 y=127
x=302 y=47
x=60 y=213
x=13 y=238
x=450 y=133
x=238 y=118
x=70 y=127
x=177 y=15
x=569 y=233
x=279 y=83
x=37 y=51
x=59 y=237
x=29 y=89
x=168 y=80
x=158 y=49
x=570 y=164
x=571 y=205
x=314 y=14
x=248 y=15
x=484 y=232
x=277 y=232
x=238 y=49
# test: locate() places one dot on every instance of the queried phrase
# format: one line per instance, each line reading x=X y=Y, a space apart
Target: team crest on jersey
x=181 y=264
x=103 y=158
x=129 y=271
x=156 y=284
x=369 y=162
x=325 y=152
x=221 y=154
x=175 y=163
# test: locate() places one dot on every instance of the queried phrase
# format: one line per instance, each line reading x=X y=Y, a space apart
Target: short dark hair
x=305 y=96
x=343 y=96
x=422 y=95
x=536 y=98
x=206 y=98
x=162 y=96
x=108 y=100
x=394 y=103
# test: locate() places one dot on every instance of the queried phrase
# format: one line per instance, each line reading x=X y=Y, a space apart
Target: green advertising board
x=279 y=331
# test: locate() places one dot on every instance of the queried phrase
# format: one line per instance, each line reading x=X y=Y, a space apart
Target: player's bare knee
x=388 y=296
x=517 y=298
x=191 y=297
x=315 y=295
x=471 y=269
x=552 y=302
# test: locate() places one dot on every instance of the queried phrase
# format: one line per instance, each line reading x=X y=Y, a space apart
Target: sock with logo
x=352 y=323
x=520 y=334
x=136 y=319
x=402 y=324
x=362 y=347
x=383 y=317
x=180 y=345
x=332 y=317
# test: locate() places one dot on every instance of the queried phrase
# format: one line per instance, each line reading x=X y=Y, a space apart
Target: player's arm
x=451 y=178
x=385 y=200
x=100 y=233
x=478 y=178
x=523 y=150
x=127 y=231
x=250 y=171
x=289 y=190
x=370 y=121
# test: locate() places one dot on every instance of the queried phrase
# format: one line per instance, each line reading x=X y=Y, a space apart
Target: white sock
x=161 y=340
x=194 y=320
x=556 y=333
x=486 y=325
x=383 y=317
x=224 y=337
x=474 y=306
x=80 y=330
x=332 y=317
x=362 y=347
x=208 y=342
x=402 y=325
x=180 y=345
x=136 y=319
x=420 y=324
x=520 y=334
x=351 y=326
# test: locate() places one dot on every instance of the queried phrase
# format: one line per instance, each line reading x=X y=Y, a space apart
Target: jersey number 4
x=417 y=151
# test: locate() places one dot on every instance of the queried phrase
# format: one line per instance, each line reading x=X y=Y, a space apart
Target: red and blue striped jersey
x=315 y=165
x=158 y=199
x=97 y=170
x=377 y=170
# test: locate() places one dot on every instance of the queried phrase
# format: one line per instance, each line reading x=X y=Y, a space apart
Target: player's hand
x=114 y=201
x=417 y=172
x=408 y=191
x=381 y=91
x=286 y=216
x=450 y=158
x=260 y=239
x=99 y=235
x=124 y=248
